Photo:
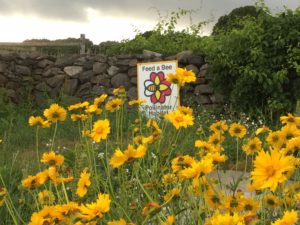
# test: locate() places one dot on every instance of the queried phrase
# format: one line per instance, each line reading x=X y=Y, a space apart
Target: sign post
x=161 y=96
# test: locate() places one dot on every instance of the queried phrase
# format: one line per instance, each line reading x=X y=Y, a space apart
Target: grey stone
x=202 y=73
x=98 y=90
x=84 y=89
x=100 y=58
x=42 y=87
x=150 y=54
x=172 y=57
x=133 y=80
x=55 y=91
x=3 y=67
x=217 y=98
x=73 y=70
x=200 y=80
x=132 y=93
x=99 y=67
x=70 y=86
x=123 y=62
x=121 y=79
x=28 y=79
x=3 y=80
x=101 y=80
x=193 y=68
x=202 y=99
x=11 y=93
x=12 y=85
x=86 y=76
x=132 y=62
x=23 y=70
x=88 y=65
x=44 y=63
x=132 y=72
x=203 y=89
x=65 y=61
x=39 y=97
x=113 y=70
x=52 y=72
x=55 y=81
x=38 y=71
x=204 y=67
x=197 y=60
x=182 y=57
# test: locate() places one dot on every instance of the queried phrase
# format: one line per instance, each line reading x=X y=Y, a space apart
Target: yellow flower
x=216 y=139
x=100 y=99
x=55 y=113
x=120 y=91
x=170 y=220
x=216 y=157
x=169 y=178
x=46 y=197
x=118 y=222
x=271 y=169
x=175 y=79
x=271 y=201
x=172 y=193
x=37 y=120
x=181 y=162
x=289 y=218
x=262 y=130
x=101 y=129
x=86 y=133
x=237 y=130
x=252 y=146
x=3 y=193
x=290 y=120
x=292 y=146
x=290 y=131
x=250 y=205
x=233 y=204
x=197 y=169
x=137 y=102
x=185 y=110
x=204 y=146
x=80 y=105
x=30 y=182
x=225 y=219
x=79 y=117
x=276 y=139
x=96 y=209
x=119 y=158
x=83 y=183
x=114 y=105
x=187 y=76
x=214 y=200
x=179 y=119
x=52 y=159
x=219 y=126
x=93 y=109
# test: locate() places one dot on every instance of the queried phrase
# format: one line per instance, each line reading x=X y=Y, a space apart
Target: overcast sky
x=103 y=20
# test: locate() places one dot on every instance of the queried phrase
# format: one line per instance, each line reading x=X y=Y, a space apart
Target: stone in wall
x=73 y=71
x=120 y=79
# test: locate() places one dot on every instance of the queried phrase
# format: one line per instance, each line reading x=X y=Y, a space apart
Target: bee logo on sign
x=161 y=95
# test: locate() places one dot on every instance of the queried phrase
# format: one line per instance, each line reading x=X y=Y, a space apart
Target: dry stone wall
x=34 y=77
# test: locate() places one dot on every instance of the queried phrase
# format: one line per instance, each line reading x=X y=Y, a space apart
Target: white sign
x=161 y=96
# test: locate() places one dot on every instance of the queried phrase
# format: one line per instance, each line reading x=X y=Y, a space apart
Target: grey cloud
x=75 y=10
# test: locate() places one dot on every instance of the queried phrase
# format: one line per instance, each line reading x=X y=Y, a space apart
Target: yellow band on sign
x=161 y=95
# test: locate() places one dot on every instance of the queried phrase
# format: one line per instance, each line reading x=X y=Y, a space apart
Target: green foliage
x=164 y=38
x=232 y=21
x=255 y=65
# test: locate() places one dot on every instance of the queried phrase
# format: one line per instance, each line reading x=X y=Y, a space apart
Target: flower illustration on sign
x=157 y=87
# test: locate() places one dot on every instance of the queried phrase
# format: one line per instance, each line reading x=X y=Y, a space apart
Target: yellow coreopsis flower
x=114 y=105
x=83 y=183
x=55 y=113
x=100 y=99
x=175 y=79
x=197 y=169
x=292 y=146
x=252 y=146
x=46 y=197
x=187 y=76
x=271 y=169
x=137 y=102
x=172 y=193
x=250 y=205
x=290 y=119
x=185 y=110
x=118 y=159
x=182 y=162
x=80 y=105
x=271 y=201
x=169 y=178
x=237 y=130
x=225 y=219
x=52 y=158
x=37 y=120
x=262 y=130
x=95 y=209
x=119 y=222
x=170 y=220
x=204 y=146
x=276 y=139
x=93 y=109
x=101 y=129
x=219 y=126
x=179 y=119
x=289 y=218
x=79 y=117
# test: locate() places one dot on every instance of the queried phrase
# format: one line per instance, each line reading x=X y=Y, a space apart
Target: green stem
x=53 y=138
